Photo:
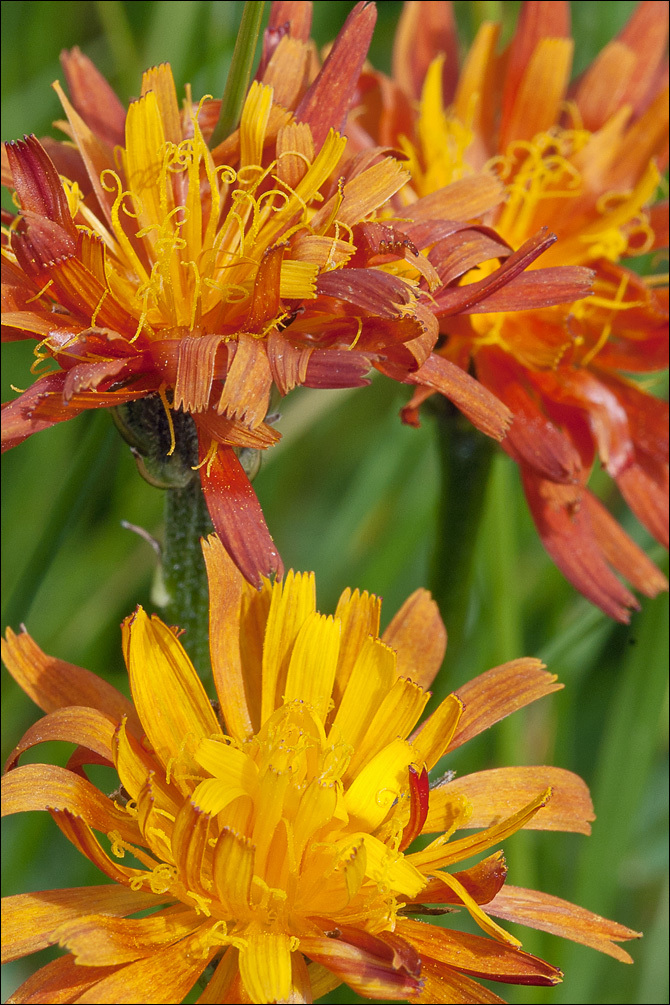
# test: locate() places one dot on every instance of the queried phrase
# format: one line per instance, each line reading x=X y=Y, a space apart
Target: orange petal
x=48 y=787
x=246 y=389
x=167 y=975
x=61 y=981
x=444 y=984
x=226 y=586
x=537 y=21
x=551 y=914
x=102 y=941
x=419 y=638
x=82 y=725
x=93 y=98
x=501 y=792
x=473 y=954
x=28 y=919
x=53 y=683
x=495 y=694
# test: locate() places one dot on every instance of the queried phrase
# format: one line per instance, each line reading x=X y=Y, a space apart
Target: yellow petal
x=311 y=672
x=265 y=966
x=434 y=736
x=371 y=678
x=169 y=697
x=291 y=603
x=374 y=790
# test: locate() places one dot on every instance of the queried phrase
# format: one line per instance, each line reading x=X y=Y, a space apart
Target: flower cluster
x=274 y=846
x=147 y=264
x=468 y=233
x=584 y=160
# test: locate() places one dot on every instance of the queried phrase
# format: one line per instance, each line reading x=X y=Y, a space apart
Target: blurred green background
x=351 y=494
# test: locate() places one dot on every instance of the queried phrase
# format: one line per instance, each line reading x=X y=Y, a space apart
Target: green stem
x=171 y=466
x=465 y=457
x=240 y=71
x=184 y=575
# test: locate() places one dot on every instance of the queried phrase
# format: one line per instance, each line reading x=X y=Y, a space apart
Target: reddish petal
x=326 y=103
x=418 y=797
x=93 y=98
x=473 y=954
x=564 y=524
x=619 y=550
x=425 y=30
x=364 y=972
x=481 y=407
x=550 y=914
x=238 y=518
x=336 y=368
x=481 y=882
x=38 y=187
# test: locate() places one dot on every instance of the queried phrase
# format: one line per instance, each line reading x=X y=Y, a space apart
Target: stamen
x=168 y=415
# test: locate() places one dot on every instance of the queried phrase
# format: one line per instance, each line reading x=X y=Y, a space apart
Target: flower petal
x=226 y=586
x=169 y=697
x=551 y=914
x=500 y=792
x=28 y=919
x=419 y=638
x=477 y=956
x=103 y=941
x=237 y=516
x=53 y=683
x=497 y=693
x=79 y=724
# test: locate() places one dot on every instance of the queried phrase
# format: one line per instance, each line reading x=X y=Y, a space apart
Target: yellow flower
x=273 y=844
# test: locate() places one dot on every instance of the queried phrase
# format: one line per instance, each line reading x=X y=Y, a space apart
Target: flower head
x=272 y=844
x=582 y=159
x=149 y=263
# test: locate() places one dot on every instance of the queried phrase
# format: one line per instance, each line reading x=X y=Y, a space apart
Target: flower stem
x=240 y=71
x=465 y=457
x=184 y=576
x=166 y=452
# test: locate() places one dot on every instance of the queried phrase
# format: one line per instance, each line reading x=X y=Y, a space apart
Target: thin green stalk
x=465 y=457
x=240 y=71
x=171 y=466
x=184 y=575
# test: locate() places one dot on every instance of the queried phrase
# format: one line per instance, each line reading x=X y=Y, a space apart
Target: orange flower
x=271 y=853
x=582 y=159
x=148 y=265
